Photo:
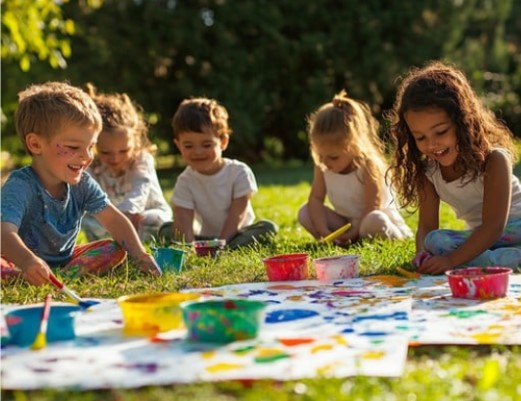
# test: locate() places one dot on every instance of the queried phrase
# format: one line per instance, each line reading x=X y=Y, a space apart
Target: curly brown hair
x=440 y=85
x=118 y=112
x=200 y=113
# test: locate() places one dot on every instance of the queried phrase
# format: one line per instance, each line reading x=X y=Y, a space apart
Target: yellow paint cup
x=149 y=314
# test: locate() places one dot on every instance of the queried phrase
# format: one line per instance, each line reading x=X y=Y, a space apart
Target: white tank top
x=467 y=199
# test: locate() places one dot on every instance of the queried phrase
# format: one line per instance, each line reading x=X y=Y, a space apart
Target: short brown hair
x=198 y=114
x=46 y=108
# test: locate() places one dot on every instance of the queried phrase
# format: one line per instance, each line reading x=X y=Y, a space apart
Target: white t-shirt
x=466 y=198
x=137 y=190
x=346 y=194
x=210 y=196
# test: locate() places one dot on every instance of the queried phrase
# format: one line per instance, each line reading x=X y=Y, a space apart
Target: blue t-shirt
x=48 y=226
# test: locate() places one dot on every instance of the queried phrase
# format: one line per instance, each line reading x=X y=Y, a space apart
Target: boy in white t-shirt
x=211 y=197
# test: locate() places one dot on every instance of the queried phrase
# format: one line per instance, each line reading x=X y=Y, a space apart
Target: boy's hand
x=36 y=271
x=148 y=264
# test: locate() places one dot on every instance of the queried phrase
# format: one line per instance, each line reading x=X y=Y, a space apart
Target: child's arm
x=496 y=205
x=236 y=214
x=123 y=232
x=183 y=224
x=35 y=270
x=316 y=199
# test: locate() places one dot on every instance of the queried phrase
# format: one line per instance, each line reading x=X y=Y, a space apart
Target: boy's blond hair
x=46 y=108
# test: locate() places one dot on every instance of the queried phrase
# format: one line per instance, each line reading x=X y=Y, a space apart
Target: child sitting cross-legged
x=211 y=197
x=43 y=204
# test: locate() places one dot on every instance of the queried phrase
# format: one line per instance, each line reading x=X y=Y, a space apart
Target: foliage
x=272 y=63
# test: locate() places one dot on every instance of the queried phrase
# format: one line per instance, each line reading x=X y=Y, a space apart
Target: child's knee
x=377 y=224
x=438 y=242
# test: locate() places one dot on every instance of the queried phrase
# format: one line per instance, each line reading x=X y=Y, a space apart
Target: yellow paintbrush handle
x=336 y=233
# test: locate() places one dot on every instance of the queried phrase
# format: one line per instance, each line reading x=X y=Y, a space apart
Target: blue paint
x=393 y=316
x=288 y=315
x=348 y=330
x=374 y=333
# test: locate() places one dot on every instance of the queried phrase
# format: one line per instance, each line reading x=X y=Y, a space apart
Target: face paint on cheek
x=65 y=152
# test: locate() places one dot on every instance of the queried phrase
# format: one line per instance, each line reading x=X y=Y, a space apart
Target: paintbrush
x=41 y=337
x=71 y=294
x=336 y=233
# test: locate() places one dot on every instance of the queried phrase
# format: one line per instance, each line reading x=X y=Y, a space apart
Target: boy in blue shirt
x=43 y=204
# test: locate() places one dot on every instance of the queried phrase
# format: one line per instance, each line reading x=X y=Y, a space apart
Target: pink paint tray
x=479 y=282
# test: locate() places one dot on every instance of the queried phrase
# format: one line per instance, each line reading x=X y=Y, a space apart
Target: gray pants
x=260 y=232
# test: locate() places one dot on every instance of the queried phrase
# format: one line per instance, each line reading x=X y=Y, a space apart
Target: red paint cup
x=479 y=282
x=209 y=247
x=287 y=267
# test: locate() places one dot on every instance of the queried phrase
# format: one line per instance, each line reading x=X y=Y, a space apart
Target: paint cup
x=336 y=267
x=479 y=282
x=209 y=247
x=169 y=259
x=149 y=314
x=287 y=267
x=24 y=323
x=223 y=321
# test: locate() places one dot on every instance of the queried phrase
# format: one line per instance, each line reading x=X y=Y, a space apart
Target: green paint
x=244 y=349
x=465 y=314
x=270 y=358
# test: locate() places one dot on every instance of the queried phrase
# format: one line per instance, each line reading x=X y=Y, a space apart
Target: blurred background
x=269 y=62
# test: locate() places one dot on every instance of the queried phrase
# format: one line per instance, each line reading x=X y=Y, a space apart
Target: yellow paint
x=220 y=367
x=208 y=355
x=295 y=298
x=390 y=281
x=319 y=348
x=373 y=355
x=340 y=340
x=486 y=338
x=263 y=352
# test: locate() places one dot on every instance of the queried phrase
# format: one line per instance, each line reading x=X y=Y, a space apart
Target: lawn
x=432 y=372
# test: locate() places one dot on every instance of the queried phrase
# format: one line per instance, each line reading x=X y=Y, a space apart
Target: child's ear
x=177 y=144
x=33 y=142
x=225 y=140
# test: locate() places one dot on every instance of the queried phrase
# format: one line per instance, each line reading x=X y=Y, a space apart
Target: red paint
x=288 y=267
x=479 y=282
x=291 y=342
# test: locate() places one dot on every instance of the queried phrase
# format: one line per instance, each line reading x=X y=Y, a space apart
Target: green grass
x=432 y=372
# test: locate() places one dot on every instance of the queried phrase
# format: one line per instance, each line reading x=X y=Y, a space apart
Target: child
x=43 y=204
x=124 y=168
x=211 y=198
x=349 y=169
x=451 y=148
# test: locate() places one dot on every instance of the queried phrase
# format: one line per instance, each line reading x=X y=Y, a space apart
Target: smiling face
x=116 y=150
x=62 y=158
x=202 y=151
x=434 y=134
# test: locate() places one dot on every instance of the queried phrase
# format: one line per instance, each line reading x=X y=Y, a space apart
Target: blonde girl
x=451 y=148
x=124 y=167
x=349 y=170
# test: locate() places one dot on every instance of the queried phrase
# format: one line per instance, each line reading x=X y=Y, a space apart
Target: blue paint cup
x=24 y=323
x=169 y=259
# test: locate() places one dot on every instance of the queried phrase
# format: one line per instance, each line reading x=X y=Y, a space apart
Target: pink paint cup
x=479 y=282
x=336 y=267
x=287 y=267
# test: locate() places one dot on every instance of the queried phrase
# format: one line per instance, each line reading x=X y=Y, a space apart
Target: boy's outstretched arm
x=124 y=233
x=34 y=270
x=235 y=216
